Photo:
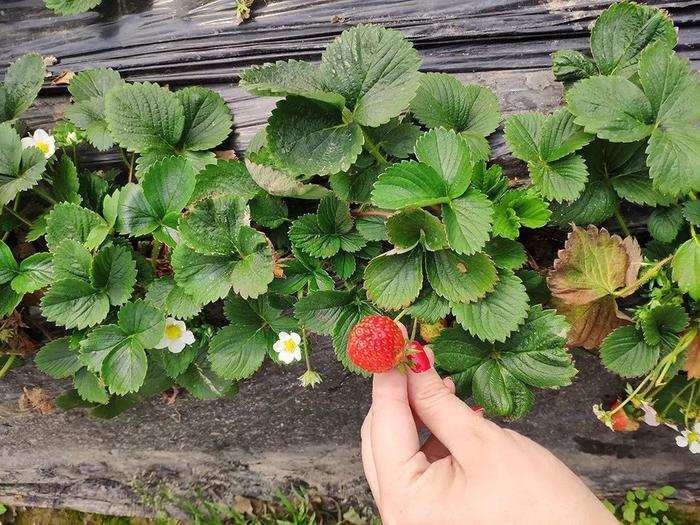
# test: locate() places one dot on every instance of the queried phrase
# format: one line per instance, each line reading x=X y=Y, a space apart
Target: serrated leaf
x=522 y=132
x=58 y=359
x=142 y=322
x=429 y=307
x=70 y=221
x=65 y=181
x=167 y=295
x=279 y=183
x=377 y=82
x=71 y=260
x=143 y=116
x=460 y=278
x=499 y=313
x=35 y=272
x=611 y=107
x=559 y=180
x=672 y=156
x=254 y=272
x=308 y=137
x=344 y=265
x=225 y=177
x=409 y=183
x=622 y=31
x=468 y=221
x=319 y=311
x=561 y=136
x=411 y=226
x=626 y=353
x=9 y=299
x=593 y=265
x=176 y=364
x=124 y=369
x=662 y=320
x=595 y=205
x=396 y=137
x=168 y=185
x=212 y=225
x=71 y=7
x=590 y=322
x=506 y=253
x=207 y=118
x=8 y=265
x=443 y=101
x=393 y=281
x=93 y=83
x=202 y=383
x=665 y=223
x=448 y=154
x=98 y=344
x=686 y=268
x=21 y=85
x=372 y=227
x=114 y=273
x=289 y=77
x=20 y=169
x=89 y=115
x=90 y=387
x=74 y=304
x=569 y=66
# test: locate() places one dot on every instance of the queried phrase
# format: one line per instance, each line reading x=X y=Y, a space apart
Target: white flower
x=42 y=140
x=176 y=336
x=650 y=416
x=690 y=438
x=287 y=347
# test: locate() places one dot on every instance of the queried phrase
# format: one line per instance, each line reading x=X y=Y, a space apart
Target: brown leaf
x=692 y=359
x=50 y=60
x=337 y=19
x=35 y=399
x=594 y=264
x=226 y=154
x=592 y=322
x=63 y=78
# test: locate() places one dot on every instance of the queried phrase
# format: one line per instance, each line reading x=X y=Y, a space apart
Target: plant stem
x=371 y=213
x=131 y=166
x=18 y=215
x=648 y=275
x=41 y=193
x=373 y=150
x=8 y=364
x=155 y=251
x=413 y=330
x=398 y=317
x=621 y=222
x=306 y=348
x=122 y=152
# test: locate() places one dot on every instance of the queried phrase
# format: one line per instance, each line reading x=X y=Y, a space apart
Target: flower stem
x=373 y=150
x=18 y=216
x=305 y=344
x=648 y=275
x=413 y=330
x=8 y=364
x=621 y=222
x=41 y=193
x=398 y=317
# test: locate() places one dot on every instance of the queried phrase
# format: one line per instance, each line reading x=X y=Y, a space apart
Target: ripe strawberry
x=419 y=361
x=376 y=344
x=621 y=422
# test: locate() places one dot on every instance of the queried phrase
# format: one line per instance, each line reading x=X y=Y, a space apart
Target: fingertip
x=431 y=355
x=403 y=329
x=450 y=384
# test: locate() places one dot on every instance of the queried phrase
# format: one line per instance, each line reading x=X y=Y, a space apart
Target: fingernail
x=418 y=358
x=478 y=410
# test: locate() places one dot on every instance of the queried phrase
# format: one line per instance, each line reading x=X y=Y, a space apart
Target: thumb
x=448 y=418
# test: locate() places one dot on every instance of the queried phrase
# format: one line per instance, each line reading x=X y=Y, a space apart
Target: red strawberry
x=376 y=344
x=419 y=361
x=621 y=422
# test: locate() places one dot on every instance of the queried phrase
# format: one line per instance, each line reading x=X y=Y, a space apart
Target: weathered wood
x=275 y=433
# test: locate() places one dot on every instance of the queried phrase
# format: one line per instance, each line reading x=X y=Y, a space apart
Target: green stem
x=306 y=348
x=621 y=222
x=41 y=193
x=413 y=330
x=122 y=152
x=648 y=275
x=131 y=166
x=75 y=156
x=683 y=343
x=691 y=398
x=18 y=215
x=373 y=150
x=398 y=317
x=675 y=398
x=155 y=250
x=8 y=364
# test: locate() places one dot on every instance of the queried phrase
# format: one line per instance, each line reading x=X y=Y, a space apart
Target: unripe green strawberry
x=376 y=344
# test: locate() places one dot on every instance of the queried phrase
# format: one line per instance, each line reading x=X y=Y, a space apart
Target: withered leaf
x=692 y=359
x=591 y=322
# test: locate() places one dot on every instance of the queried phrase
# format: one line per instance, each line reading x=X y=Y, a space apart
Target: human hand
x=469 y=471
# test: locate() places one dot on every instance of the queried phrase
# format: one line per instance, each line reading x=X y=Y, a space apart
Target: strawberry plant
x=367 y=196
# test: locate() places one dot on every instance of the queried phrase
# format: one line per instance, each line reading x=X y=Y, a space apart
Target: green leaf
x=377 y=82
x=561 y=136
x=622 y=31
x=429 y=307
x=142 y=322
x=393 y=281
x=307 y=137
x=569 y=66
x=35 y=272
x=71 y=260
x=227 y=177
x=8 y=265
x=71 y=7
x=252 y=274
x=460 y=278
x=409 y=183
x=93 y=83
x=320 y=311
x=344 y=265
x=289 y=77
x=595 y=205
x=279 y=183
x=626 y=353
x=206 y=278
x=20 y=169
x=207 y=119
x=672 y=156
x=493 y=388
x=124 y=369
x=98 y=343
x=89 y=115
x=176 y=364
x=663 y=320
x=560 y=180
x=213 y=224
x=691 y=212
x=665 y=223
x=686 y=268
x=65 y=181
x=167 y=295
x=58 y=359
x=144 y=116
x=448 y=154
x=443 y=101
x=114 y=273
x=22 y=84
x=168 y=185
x=468 y=221
x=9 y=300
x=412 y=225
x=498 y=314
x=136 y=216
x=611 y=107
x=522 y=132
x=90 y=387
x=506 y=253
x=74 y=304
x=372 y=227
x=70 y=221
x=202 y=383
x=396 y=137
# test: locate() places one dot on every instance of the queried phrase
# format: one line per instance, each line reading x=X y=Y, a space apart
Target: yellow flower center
x=693 y=436
x=289 y=346
x=173 y=331
x=43 y=146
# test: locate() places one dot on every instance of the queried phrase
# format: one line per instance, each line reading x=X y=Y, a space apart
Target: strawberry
x=621 y=422
x=429 y=331
x=376 y=344
x=418 y=359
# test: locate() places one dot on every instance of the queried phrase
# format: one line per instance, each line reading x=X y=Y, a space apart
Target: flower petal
x=27 y=142
x=40 y=135
x=163 y=343
x=694 y=447
x=176 y=346
x=283 y=336
x=278 y=347
x=188 y=338
x=681 y=441
x=295 y=337
x=286 y=357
